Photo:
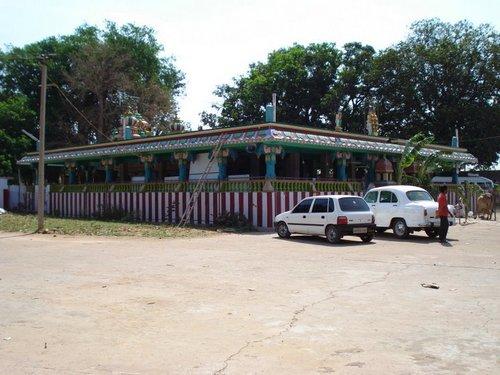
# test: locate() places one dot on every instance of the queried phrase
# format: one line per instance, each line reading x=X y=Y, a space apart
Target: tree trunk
x=100 y=124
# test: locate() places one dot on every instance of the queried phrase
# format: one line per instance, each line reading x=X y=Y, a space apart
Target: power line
x=77 y=110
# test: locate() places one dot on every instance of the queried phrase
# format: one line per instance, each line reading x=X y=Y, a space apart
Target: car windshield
x=419 y=195
x=353 y=204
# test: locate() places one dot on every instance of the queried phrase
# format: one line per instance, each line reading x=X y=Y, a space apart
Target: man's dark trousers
x=443 y=228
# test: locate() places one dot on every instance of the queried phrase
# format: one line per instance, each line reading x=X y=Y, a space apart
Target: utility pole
x=41 y=149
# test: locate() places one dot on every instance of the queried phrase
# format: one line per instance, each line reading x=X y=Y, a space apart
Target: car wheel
x=400 y=228
x=431 y=233
x=381 y=230
x=282 y=230
x=367 y=238
x=332 y=234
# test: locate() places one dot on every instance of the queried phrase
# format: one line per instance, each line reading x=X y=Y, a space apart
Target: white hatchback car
x=405 y=209
x=333 y=216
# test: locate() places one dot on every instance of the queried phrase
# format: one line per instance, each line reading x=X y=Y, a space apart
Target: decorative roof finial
x=338 y=121
x=372 y=120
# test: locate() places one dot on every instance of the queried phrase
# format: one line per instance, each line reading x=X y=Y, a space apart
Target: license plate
x=360 y=230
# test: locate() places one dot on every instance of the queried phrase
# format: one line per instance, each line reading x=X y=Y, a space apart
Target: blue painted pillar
x=147 y=160
x=454 y=176
x=183 y=171
x=271 y=166
x=72 y=176
x=108 y=170
x=35 y=173
x=341 y=169
x=109 y=174
x=371 y=171
x=222 y=164
x=148 y=172
x=87 y=175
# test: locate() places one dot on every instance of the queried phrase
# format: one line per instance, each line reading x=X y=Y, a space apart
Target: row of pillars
x=182 y=158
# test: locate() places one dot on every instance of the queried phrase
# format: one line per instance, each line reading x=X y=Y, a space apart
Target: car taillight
x=342 y=220
x=373 y=219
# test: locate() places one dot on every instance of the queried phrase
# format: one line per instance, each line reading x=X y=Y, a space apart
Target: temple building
x=261 y=162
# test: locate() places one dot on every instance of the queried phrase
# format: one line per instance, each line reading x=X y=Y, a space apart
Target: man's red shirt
x=442 y=205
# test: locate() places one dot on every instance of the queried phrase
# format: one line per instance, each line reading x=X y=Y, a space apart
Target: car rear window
x=352 y=204
x=418 y=195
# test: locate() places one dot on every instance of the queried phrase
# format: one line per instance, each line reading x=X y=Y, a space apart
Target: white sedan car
x=333 y=216
x=405 y=209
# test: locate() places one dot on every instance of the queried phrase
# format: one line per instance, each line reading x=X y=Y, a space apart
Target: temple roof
x=295 y=137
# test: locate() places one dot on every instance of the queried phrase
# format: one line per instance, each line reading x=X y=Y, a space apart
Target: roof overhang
x=269 y=133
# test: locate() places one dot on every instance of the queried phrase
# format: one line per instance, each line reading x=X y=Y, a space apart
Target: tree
x=443 y=76
x=301 y=77
x=15 y=115
x=312 y=84
x=120 y=65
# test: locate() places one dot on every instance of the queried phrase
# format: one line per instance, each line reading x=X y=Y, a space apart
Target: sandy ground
x=250 y=304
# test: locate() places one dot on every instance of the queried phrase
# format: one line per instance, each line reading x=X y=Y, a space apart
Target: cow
x=485 y=206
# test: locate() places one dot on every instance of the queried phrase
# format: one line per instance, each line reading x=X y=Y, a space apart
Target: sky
x=216 y=40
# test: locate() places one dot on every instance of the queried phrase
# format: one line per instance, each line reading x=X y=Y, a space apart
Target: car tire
x=431 y=232
x=367 y=238
x=282 y=230
x=332 y=234
x=400 y=228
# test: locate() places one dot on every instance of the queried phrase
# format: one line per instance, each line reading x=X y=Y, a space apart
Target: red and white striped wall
x=259 y=207
x=161 y=207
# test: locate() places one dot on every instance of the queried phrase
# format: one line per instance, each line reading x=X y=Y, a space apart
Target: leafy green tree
x=300 y=76
x=147 y=80
x=15 y=115
x=443 y=76
x=100 y=71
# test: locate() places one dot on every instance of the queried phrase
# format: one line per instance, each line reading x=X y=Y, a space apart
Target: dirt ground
x=250 y=303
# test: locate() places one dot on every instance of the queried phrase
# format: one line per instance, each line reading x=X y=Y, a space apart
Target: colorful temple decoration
x=384 y=170
x=279 y=134
x=372 y=122
x=132 y=126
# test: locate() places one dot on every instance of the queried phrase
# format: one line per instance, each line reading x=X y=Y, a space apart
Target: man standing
x=443 y=213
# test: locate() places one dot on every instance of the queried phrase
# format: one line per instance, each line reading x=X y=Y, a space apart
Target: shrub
x=109 y=213
x=233 y=220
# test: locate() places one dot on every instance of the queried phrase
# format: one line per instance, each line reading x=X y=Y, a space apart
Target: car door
x=297 y=220
x=371 y=198
x=317 y=217
x=395 y=206
x=384 y=209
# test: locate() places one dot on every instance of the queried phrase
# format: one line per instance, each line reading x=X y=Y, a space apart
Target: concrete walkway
x=250 y=304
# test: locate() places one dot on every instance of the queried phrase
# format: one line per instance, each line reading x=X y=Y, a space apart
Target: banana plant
x=411 y=154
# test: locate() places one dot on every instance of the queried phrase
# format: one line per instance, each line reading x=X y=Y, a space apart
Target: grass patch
x=11 y=222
